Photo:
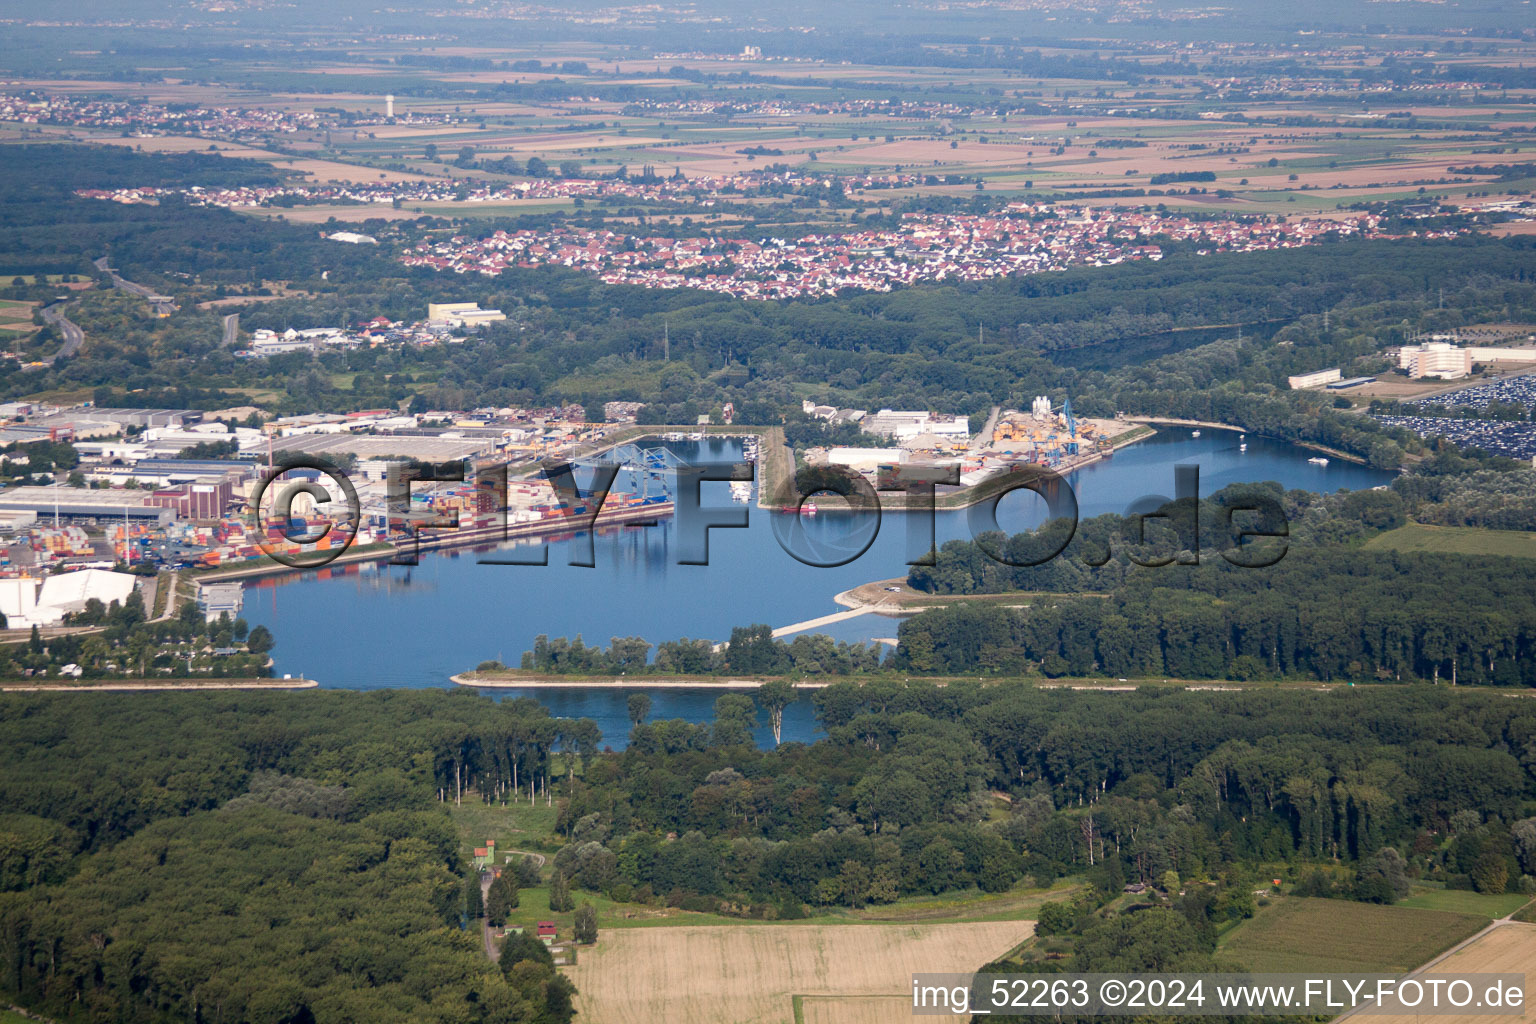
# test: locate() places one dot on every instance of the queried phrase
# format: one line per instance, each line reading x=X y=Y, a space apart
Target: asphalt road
x=143 y=292
x=231 y=329
x=73 y=336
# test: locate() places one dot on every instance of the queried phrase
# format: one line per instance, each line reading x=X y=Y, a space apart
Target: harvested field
x=320 y=170
x=1509 y=948
x=854 y=1009
x=748 y=974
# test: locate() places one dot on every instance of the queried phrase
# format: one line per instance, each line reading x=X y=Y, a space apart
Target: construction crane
x=1066 y=412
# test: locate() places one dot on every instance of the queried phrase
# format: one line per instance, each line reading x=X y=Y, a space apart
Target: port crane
x=645 y=463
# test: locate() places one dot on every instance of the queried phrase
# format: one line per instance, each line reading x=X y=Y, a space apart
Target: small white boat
x=1318 y=461
x=1242 y=447
x=741 y=492
x=808 y=509
x=1194 y=433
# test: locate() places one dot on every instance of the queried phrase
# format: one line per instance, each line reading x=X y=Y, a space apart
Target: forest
x=1131 y=786
x=1334 y=615
x=150 y=851
x=1252 y=583
x=254 y=859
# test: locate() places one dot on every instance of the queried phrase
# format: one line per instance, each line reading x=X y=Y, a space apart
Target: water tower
x=389 y=106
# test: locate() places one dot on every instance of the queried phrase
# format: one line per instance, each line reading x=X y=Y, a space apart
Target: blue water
x=383 y=626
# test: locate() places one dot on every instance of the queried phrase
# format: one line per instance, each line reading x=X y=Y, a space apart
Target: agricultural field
x=852 y=1009
x=750 y=974
x=1279 y=154
x=1509 y=948
x=1343 y=936
x=1461 y=901
x=16 y=319
x=1456 y=540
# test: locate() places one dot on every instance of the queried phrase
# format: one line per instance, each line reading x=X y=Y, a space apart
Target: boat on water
x=1194 y=433
x=1318 y=460
x=695 y=437
x=1242 y=447
x=741 y=492
x=808 y=509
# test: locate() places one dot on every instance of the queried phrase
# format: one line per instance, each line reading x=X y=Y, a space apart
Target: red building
x=195 y=501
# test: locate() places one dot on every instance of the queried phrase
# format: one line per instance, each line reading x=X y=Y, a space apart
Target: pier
x=825 y=620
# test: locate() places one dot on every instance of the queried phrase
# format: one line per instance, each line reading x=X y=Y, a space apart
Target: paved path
x=538 y=858
x=983 y=440
x=231 y=329
x=825 y=620
x=1165 y=421
x=170 y=599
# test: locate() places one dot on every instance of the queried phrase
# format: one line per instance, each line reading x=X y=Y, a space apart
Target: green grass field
x=1339 y=935
x=1460 y=901
x=1456 y=540
x=518 y=826
x=531 y=828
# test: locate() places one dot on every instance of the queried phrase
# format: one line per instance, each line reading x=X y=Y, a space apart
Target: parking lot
x=1498 y=437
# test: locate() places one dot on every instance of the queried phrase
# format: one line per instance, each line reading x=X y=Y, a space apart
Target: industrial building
x=1435 y=359
x=388 y=446
x=146 y=417
x=1502 y=354
x=461 y=314
x=1315 y=379
x=185 y=471
x=901 y=425
x=206 y=499
x=865 y=459
x=1444 y=359
x=79 y=504
x=215 y=599
x=16 y=522
x=29 y=602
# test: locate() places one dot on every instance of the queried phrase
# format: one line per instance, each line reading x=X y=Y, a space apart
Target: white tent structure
x=30 y=602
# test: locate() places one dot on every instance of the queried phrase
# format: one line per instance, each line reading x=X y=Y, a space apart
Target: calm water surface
x=385 y=626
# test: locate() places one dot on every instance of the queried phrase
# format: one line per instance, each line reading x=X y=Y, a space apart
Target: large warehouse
x=44 y=602
x=78 y=504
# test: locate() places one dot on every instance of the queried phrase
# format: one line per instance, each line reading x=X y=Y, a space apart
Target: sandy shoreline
x=129 y=686
x=494 y=682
